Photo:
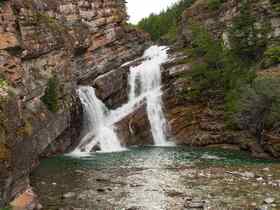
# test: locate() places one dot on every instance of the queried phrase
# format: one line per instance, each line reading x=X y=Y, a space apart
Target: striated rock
x=71 y=42
x=135 y=128
x=216 y=21
x=112 y=87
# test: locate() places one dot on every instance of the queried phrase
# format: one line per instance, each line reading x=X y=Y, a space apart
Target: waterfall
x=98 y=131
x=145 y=84
x=145 y=80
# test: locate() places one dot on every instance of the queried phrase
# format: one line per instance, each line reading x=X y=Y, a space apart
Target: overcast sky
x=137 y=9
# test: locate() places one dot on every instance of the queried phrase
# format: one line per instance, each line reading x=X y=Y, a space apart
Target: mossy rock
x=2 y=135
x=4 y=152
x=276 y=147
x=26 y=130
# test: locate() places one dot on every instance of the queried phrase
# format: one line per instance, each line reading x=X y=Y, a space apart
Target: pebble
x=69 y=195
x=39 y=206
x=262 y=208
x=269 y=200
x=248 y=174
x=260 y=179
x=196 y=204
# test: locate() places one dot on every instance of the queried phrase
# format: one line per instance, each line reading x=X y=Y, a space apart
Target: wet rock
x=96 y=147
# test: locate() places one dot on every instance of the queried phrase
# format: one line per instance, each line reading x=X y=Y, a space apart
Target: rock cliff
x=203 y=122
x=217 y=19
x=47 y=48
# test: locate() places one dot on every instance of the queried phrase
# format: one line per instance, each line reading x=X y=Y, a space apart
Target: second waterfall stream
x=144 y=84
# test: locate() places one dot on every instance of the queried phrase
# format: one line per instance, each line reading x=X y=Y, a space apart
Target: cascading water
x=98 y=131
x=145 y=80
x=145 y=84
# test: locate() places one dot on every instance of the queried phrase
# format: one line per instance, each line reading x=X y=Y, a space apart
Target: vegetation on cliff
x=165 y=25
x=229 y=72
x=50 y=98
x=247 y=39
x=2 y=2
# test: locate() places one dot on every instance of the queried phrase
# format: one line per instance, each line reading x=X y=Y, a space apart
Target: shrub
x=204 y=45
x=50 y=97
x=2 y=2
x=3 y=89
x=271 y=56
x=214 y=4
x=247 y=41
x=256 y=106
x=275 y=5
x=219 y=71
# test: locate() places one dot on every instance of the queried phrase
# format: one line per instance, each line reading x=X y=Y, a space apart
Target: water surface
x=154 y=178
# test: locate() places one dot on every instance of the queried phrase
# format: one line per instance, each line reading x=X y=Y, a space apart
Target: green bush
x=256 y=106
x=3 y=89
x=206 y=74
x=275 y=5
x=271 y=56
x=247 y=41
x=2 y=2
x=50 y=97
x=214 y=4
x=218 y=70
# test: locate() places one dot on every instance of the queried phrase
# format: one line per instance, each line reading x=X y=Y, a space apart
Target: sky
x=137 y=9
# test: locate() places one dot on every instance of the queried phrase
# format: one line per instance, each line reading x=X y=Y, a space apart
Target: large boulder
x=135 y=128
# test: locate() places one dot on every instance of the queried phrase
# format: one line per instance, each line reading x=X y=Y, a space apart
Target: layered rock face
x=47 y=48
x=216 y=21
x=203 y=124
